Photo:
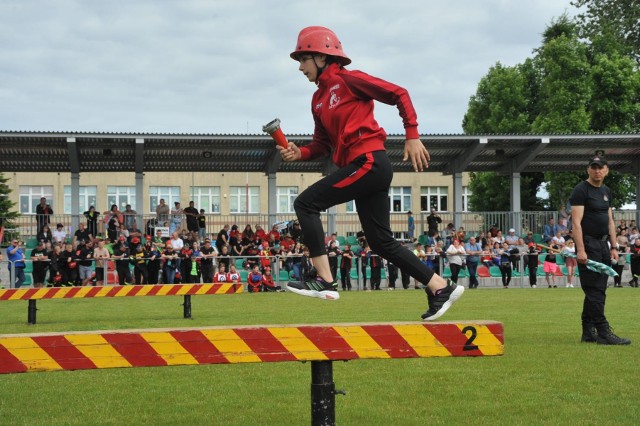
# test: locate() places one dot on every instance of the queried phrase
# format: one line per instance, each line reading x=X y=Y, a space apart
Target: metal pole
x=31 y=312
x=323 y=395
x=187 y=306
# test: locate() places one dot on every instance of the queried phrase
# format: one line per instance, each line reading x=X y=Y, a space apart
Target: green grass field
x=545 y=377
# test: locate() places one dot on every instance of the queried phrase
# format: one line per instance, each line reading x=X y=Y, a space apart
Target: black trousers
x=365 y=180
x=635 y=267
x=345 y=274
x=405 y=278
x=618 y=268
x=505 y=273
x=141 y=273
x=455 y=271
x=392 y=275
x=154 y=268
x=594 y=285
x=533 y=272
x=376 y=277
x=124 y=274
x=207 y=272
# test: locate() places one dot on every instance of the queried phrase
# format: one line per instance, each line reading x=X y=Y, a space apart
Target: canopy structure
x=138 y=152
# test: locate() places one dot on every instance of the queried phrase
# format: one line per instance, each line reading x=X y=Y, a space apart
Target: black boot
x=589 y=333
x=606 y=337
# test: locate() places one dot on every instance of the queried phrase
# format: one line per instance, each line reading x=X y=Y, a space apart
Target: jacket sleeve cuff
x=412 y=132
x=305 y=153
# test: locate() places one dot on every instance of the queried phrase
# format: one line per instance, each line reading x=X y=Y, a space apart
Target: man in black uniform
x=432 y=222
x=206 y=264
x=192 y=218
x=593 y=228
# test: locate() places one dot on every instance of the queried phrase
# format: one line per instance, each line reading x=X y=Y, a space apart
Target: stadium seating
x=483 y=272
x=494 y=271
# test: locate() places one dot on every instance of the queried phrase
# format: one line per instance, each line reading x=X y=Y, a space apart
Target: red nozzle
x=273 y=128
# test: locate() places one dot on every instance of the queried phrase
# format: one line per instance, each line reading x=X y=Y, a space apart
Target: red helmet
x=320 y=40
x=72 y=265
x=57 y=278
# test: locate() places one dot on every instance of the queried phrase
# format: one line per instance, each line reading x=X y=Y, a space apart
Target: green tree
x=615 y=99
x=6 y=205
x=565 y=85
x=617 y=21
x=568 y=86
x=500 y=103
x=493 y=192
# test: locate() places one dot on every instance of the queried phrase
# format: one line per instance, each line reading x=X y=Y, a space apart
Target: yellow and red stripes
x=220 y=345
x=118 y=291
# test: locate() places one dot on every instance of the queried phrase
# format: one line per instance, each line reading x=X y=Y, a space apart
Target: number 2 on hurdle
x=469 y=346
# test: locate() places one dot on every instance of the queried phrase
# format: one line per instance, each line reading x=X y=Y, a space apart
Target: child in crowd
x=486 y=256
x=551 y=266
x=346 y=263
x=233 y=276
x=221 y=276
x=531 y=262
x=268 y=284
x=254 y=280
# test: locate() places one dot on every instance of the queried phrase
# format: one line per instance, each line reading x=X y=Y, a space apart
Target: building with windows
x=225 y=193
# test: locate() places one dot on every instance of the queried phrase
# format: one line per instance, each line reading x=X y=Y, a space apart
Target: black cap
x=598 y=160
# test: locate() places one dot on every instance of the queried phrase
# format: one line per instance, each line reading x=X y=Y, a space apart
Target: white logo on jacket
x=334 y=100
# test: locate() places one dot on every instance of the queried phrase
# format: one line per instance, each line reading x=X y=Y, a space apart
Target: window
x=286 y=196
x=171 y=194
x=87 y=198
x=466 y=193
x=434 y=197
x=206 y=197
x=121 y=196
x=350 y=206
x=240 y=203
x=400 y=198
x=30 y=197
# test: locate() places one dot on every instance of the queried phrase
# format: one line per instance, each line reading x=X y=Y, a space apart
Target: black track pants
x=365 y=180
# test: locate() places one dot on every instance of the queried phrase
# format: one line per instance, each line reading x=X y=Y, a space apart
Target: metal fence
x=281 y=271
x=489 y=277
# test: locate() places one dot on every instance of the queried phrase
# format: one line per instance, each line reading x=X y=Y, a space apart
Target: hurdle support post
x=186 y=305
x=323 y=394
x=31 y=312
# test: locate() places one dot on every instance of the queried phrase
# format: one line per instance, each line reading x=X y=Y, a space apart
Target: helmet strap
x=318 y=68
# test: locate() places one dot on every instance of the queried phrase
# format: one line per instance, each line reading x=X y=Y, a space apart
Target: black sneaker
x=440 y=302
x=315 y=287
x=608 y=338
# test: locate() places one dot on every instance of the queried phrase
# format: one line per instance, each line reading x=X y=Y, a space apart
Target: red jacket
x=342 y=109
x=267 y=280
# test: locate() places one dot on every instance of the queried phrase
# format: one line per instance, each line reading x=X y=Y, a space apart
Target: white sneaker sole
x=325 y=295
x=445 y=307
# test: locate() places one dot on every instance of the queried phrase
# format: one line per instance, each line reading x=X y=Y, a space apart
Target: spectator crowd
x=175 y=247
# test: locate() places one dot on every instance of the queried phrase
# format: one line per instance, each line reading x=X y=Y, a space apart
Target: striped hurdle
x=320 y=344
x=186 y=290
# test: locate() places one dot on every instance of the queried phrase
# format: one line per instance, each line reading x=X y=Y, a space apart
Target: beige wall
x=223 y=180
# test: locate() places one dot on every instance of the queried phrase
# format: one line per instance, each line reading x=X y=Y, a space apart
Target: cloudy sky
x=223 y=66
